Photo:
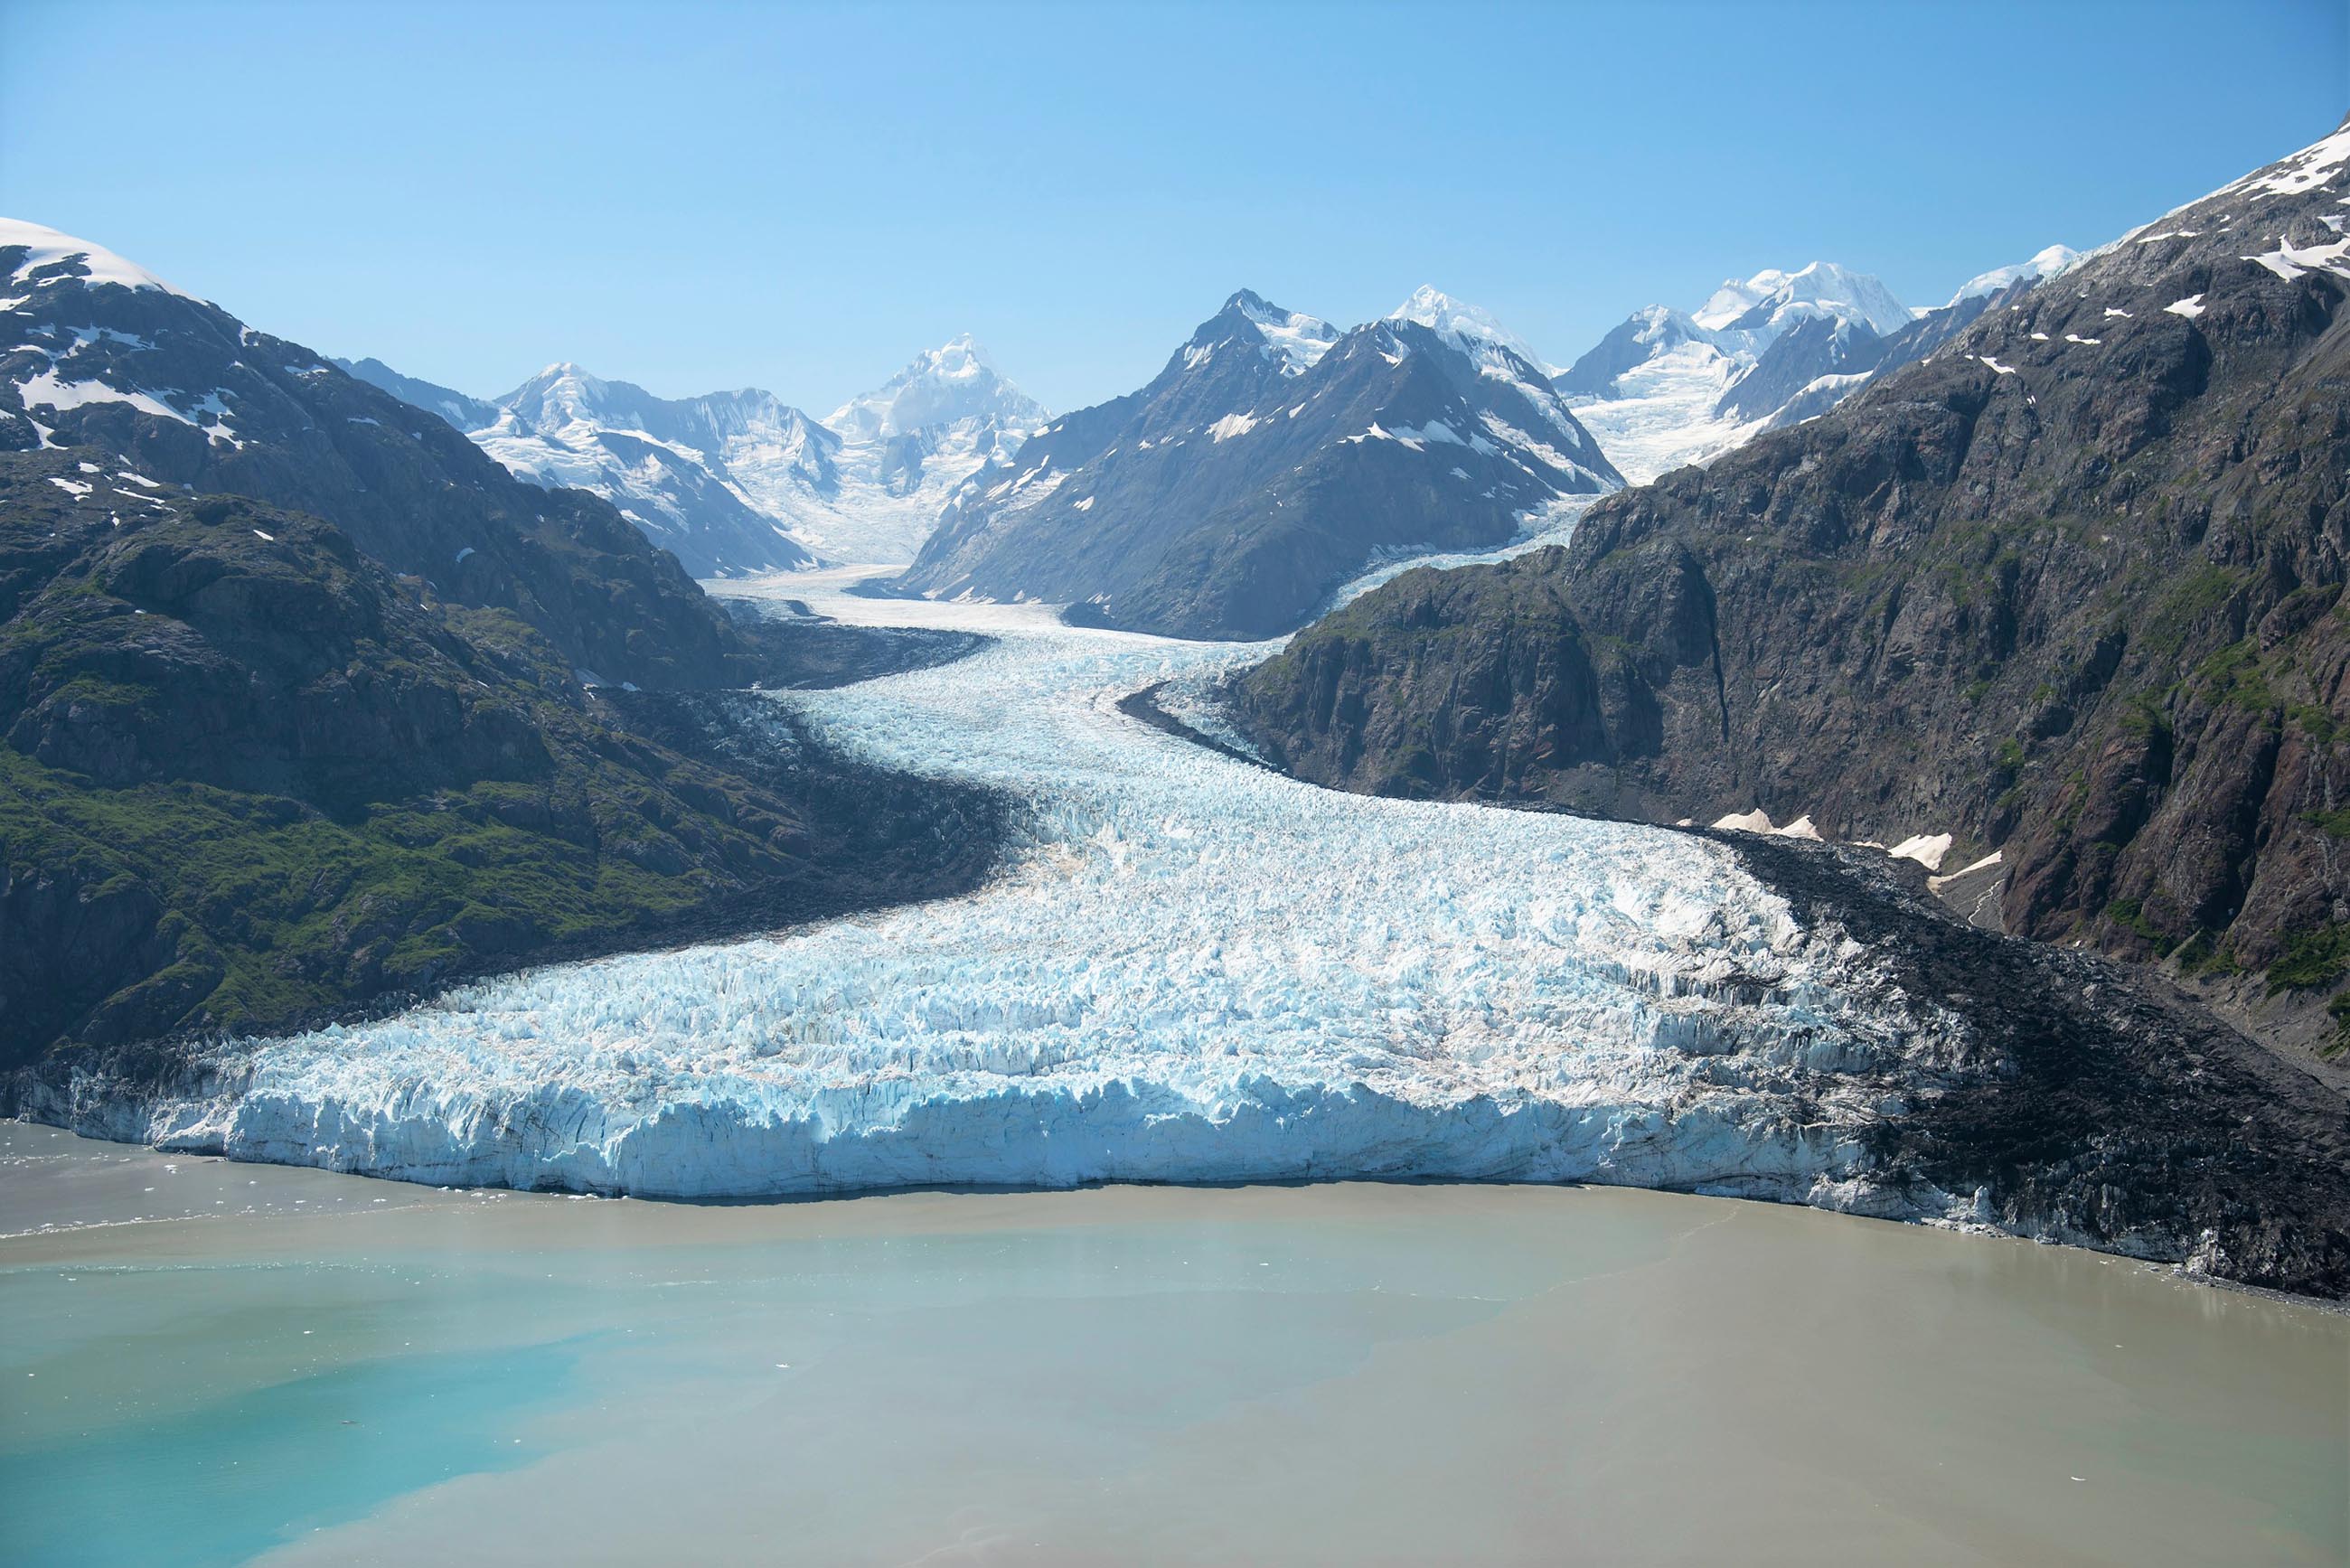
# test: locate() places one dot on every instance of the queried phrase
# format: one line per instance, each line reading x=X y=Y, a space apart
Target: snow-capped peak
x=566 y=370
x=561 y=394
x=955 y=381
x=2047 y=263
x=1299 y=339
x=46 y=247
x=1465 y=326
x=1734 y=299
x=1772 y=299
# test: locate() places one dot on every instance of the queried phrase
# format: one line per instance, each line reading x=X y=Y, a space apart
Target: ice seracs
x=1195 y=970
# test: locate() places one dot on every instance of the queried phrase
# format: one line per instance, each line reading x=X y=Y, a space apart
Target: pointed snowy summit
x=942 y=385
x=1465 y=326
x=1299 y=340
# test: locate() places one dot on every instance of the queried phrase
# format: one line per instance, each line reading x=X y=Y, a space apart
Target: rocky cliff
x=2069 y=589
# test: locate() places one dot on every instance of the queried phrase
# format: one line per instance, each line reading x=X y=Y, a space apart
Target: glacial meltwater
x=1191 y=969
x=216 y=1362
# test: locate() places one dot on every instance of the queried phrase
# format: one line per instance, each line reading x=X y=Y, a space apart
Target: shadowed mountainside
x=2070 y=588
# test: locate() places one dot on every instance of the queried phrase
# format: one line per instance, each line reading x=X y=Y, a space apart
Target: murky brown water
x=305 y=1368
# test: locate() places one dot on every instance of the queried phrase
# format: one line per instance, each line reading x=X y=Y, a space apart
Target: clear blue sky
x=694 y=197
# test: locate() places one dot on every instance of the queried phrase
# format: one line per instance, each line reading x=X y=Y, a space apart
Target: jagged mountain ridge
x=1668 y=387
x=2067 y=588
x=739 y=483
x=680 y=470
x=1270 y=458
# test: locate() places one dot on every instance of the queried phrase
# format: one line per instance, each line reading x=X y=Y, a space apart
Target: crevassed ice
x=1193 y=969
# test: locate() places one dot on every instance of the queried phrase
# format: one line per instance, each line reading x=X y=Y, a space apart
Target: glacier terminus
x=1195 y=970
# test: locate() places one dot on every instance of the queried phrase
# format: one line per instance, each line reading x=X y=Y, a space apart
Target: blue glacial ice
x=1193 y=969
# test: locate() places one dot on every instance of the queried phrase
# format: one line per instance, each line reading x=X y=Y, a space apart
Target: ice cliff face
x=1199 y=971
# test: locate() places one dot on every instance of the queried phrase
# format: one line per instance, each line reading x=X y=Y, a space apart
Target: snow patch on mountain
x=1299 y=340
x=46 y=248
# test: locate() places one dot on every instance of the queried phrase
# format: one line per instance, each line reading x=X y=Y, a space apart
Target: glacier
x=1194 y=970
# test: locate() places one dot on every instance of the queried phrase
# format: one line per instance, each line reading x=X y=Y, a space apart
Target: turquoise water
x=221 y=1482
x=292 y=1368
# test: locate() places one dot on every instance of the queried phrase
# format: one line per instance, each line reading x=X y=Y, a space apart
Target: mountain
x=907 y=446
x=953 y=387
x=2068 y=589
x=1270 y=460
x=1769 y=303
x=250 y=777
x=1668 y=386
x=736 y=482
x=96 y=352
x=300 y=701
x=685 y=471
x=466 y=413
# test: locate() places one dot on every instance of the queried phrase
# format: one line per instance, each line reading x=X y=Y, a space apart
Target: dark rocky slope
x=2069 y=588
x=2092 y=1105
x=180 y=392
x=250 y=778
x=1273 y=458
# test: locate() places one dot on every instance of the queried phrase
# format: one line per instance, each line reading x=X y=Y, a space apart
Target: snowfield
x=1195 y=970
